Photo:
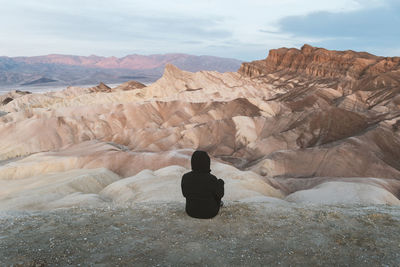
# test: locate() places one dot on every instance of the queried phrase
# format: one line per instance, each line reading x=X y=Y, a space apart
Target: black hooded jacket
x=202 y=190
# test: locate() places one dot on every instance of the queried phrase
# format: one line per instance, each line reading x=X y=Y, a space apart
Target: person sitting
x=202 y=190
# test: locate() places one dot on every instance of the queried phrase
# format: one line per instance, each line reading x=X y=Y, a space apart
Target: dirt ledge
x=161 y=234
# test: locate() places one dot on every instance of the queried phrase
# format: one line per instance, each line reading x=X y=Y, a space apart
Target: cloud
x=243 y=29
x=96 y=24
x=374 y=29
x=103 y=25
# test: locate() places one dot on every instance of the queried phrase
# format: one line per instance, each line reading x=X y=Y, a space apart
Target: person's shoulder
x=212 y=176
x=215 y=179
x=188 y=174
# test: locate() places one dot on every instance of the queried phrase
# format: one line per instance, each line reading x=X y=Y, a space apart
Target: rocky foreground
x=244 y=234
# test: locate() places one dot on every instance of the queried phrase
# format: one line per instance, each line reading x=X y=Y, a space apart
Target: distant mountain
x=40 y=81
x=73 y=70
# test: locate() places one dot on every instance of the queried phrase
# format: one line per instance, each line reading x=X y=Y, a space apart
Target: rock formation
x=130 y=85
x=370 y=79
x=10 y=96
x=302 y=124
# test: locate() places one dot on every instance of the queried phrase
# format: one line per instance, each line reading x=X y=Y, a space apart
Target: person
x=202 y=190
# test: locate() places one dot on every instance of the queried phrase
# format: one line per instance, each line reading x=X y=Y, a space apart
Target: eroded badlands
x=304 y=126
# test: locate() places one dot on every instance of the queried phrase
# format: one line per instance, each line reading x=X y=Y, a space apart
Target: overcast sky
x=242 y=29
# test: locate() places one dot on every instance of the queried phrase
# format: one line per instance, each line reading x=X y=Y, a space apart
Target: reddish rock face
x=347 y=71
x=376 y=78
x=320 y=62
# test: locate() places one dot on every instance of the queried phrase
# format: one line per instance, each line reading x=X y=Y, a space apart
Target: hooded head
x=200 y=161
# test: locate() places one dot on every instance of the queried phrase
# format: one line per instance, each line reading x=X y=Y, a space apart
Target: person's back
x=202 y=190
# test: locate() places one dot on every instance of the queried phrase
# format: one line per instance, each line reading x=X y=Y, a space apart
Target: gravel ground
x=244 y=234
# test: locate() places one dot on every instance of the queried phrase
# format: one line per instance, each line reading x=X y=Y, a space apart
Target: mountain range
x=78 y=70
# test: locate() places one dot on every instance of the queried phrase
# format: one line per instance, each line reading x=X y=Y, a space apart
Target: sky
x=241 y=29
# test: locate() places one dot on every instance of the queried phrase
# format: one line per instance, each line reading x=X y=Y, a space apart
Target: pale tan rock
x=334 y=193
x=53 y=190
x=163 y=185
x=94 y=187
x=92 y=155
x=11 y=96
x=151 y=126
x=372 y=154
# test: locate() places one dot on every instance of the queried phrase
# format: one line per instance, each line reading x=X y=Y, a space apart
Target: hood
x=200 y=161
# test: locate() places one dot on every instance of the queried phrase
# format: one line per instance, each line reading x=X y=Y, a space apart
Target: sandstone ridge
x=320 y=62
